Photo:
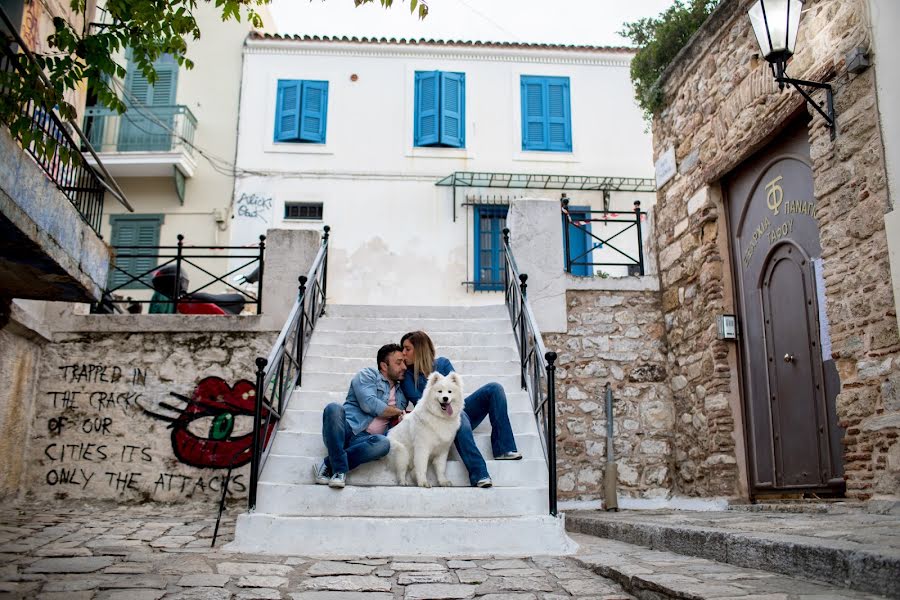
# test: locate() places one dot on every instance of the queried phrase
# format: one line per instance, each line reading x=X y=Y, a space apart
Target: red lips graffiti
x=215 y=430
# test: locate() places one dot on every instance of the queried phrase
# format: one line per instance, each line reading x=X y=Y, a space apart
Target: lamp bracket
x=828 y=113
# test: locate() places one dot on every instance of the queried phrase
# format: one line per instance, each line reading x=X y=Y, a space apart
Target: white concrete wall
x=393 y=235
x=885 y=15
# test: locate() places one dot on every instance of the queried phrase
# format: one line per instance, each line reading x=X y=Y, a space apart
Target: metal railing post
x=506 y=260
x=522 y=287
x=178 y=253
x=325 y=237
x=640 y=237
x=565 y=223
x=259 y=283
x=257 y=442
x=301 y=327
x=550 y=434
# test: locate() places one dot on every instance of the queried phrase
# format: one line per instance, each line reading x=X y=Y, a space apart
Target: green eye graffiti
x=221 y=426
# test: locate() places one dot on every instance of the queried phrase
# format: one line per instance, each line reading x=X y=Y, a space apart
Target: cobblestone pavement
x=149 y=552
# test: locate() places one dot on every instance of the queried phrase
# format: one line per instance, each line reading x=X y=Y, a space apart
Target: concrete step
x=397 y=501
x=310 y=421
x=324 y=362
x=454 y=353
x=403 y=325
x=656 y=575
x=537 y=535
x=311 y=399
x=289 y=443
x=836 y=551
x=440 y=339
x=493 y=311
x=504 y=473
x=340 y=380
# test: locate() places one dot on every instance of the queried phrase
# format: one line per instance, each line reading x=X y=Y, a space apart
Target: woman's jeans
x=347 y=450
x=487 y=401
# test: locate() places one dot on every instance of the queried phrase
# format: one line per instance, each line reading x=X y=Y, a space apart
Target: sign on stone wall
x=145 y=416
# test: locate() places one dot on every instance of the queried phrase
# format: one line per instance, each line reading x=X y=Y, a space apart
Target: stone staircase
x=373 y=515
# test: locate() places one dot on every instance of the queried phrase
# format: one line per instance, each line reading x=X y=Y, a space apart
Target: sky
x=588 y=22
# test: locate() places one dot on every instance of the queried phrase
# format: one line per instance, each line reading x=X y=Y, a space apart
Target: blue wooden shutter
x=453 y=109
x=287 y=111
x=580 y=241
x=559 y=122
x=534 y=113
x=489 y=224
x=134 y=231
x=313 y=116
x=427 y=108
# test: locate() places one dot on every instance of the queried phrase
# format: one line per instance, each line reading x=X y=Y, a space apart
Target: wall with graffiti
x=144 y=416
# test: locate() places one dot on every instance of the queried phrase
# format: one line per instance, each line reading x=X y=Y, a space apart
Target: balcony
x=145 y=141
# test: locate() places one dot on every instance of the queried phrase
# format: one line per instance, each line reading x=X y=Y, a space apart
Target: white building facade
x=358 y=133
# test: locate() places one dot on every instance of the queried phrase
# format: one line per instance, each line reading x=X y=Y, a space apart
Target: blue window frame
x=546 y=114
x=580 y=241
x=134 y=230
x=489 y=223
x=301 y=111
x=440 y=102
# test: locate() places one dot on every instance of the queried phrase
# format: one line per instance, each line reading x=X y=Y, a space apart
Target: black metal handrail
x=537 y=365
x=181 y=256
x=281 y=372
x=606 y=216
x=59 y=156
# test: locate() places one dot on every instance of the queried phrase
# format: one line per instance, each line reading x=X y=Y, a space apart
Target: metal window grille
x=303 y=211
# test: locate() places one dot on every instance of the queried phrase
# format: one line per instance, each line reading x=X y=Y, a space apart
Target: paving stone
x=417 y=566
x=472 y=575
x=61 y=551
x=585 y=587
x=296 y=560
x=75 y=564
x=183 y=566
x=146 y=581
x=384 y=572
x=250 y=568
x=508 y=597
x=261 y=581
x=461 y=564
x=71 y=585
x=201 y=593
x=518 y=573
x=258 y=594
x=203 y=580
x=515 y=584
x=349 y=583
x=505 y=564
x=342 y=596
x=126 y=568
x=439 y=591
x=171 y=541
x=328 y=567
x=65 y=596
x=410 y=577
x=371 y=561
x=130 y=595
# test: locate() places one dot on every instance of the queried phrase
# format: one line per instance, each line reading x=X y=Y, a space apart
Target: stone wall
x=19 y=359
x=613 y=336
x=722 y=106
x=144 y=416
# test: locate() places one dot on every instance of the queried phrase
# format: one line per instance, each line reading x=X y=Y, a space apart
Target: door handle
x=788 y=358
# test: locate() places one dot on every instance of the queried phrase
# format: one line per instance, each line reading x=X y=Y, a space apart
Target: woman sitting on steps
x=487 y=401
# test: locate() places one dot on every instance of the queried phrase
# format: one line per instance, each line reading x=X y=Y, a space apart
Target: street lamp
x=775 y=23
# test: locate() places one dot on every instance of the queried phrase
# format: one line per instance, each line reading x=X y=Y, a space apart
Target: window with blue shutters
x=142 y=233
x=301 y=111
x=581 y=244
x=546 y=114
x=489 y=223
x=440 y=101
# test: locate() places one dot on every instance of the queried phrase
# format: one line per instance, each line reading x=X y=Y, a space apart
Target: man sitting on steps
x=355 y=432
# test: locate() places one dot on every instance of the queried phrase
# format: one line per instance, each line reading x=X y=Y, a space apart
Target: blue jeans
x=487 y=401
x=347 y=450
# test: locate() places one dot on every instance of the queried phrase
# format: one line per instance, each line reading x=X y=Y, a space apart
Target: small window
x=301 y=111
x=303 y=211
x=440 y=109
x=489 y=223
x=546 y=114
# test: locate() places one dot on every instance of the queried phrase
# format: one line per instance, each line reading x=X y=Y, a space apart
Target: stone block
x=349 y=583
x=203 y=580
x=439 y=591
x=338 y=568
x=75 y=564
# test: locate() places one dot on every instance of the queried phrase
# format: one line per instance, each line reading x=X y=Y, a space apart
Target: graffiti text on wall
x=254 y=206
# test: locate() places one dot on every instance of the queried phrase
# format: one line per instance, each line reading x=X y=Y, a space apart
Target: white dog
x=424 y=435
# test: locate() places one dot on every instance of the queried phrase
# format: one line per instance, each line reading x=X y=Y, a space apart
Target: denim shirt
x=413 y=389
x=368 y=398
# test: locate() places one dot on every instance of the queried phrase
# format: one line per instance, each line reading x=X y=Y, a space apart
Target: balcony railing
x=141 y=129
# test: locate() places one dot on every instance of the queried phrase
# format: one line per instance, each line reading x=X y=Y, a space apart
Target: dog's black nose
x=446 y=399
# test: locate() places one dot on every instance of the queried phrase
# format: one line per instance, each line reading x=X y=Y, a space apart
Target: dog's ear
x=455 y=378
x=433 y=378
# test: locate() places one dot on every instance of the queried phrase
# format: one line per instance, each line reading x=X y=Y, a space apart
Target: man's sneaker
x=322 y=474
x=484 y=483
x=337 y=481
x=512 y=455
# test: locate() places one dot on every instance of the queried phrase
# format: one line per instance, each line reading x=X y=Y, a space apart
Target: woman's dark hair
x=385 y=351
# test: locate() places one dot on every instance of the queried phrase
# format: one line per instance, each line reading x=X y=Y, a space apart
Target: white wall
x=394 y=239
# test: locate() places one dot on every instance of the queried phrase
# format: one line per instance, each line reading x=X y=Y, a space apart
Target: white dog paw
x=425 y=484
x=444 y=483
